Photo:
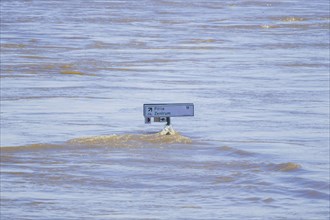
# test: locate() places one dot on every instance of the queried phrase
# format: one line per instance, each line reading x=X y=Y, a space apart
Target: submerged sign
x=162 y=111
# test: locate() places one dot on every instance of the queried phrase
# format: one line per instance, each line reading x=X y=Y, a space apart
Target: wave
x=132 y=140
x=123 y=140
x=235 y=152
x=30 y=147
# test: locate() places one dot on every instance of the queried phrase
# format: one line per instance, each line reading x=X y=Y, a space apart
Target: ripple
x=235 y=152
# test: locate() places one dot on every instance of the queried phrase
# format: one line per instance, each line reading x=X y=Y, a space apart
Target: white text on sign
x=168 y=110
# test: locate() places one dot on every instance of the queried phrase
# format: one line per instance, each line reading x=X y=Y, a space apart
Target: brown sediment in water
x=112 y=141
x=132 y=140
x=30 y=147
x=286 y=167
x=66 y=66
x=13 y=46
x=234 y=151
x=72 y=72
x=34 y=57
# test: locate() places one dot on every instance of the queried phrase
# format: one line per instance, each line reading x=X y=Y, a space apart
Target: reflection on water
x=74 y=77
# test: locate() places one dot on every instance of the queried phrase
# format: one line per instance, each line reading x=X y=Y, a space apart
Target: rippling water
x=74 y=77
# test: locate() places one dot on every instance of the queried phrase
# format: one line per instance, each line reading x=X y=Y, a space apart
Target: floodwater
x=74 y=78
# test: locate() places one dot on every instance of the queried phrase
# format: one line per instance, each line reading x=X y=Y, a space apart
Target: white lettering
x=162 y=113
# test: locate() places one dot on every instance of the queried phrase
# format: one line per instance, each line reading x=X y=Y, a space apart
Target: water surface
x=75 y=75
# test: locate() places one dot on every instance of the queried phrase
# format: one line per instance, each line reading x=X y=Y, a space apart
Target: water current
x=74 y=78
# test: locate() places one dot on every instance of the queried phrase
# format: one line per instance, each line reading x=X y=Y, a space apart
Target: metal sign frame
x=166 y=110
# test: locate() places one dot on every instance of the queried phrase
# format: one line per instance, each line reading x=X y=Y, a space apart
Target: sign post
x=164 y=112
